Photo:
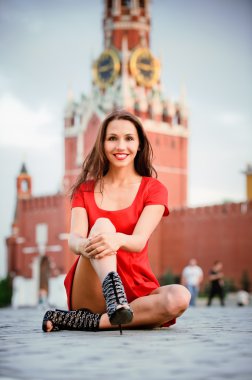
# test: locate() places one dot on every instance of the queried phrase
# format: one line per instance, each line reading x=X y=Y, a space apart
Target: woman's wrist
x=80 y=245
x=77 y=244
x=77 y=248
x=121 y=239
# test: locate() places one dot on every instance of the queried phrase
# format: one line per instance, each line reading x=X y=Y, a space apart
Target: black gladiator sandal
x=114 y=295
x=81 y=319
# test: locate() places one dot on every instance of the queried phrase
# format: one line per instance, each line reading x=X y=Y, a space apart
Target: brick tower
x=127 y=75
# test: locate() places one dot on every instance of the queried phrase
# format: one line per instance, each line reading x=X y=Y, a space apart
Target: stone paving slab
x=206 y=343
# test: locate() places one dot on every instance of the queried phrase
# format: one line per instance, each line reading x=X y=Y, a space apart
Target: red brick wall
x=170 y=161
x=70 y=153
x=71 y=168
x=133 y=38
x=91 y=133
x=221 y=232
x=55 y=212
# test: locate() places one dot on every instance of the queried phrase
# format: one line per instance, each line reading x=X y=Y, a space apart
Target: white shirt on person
x=192 y=275
x=242 y=297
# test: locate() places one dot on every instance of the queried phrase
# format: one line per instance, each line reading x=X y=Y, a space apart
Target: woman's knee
x=177 y=299
x=102 y=225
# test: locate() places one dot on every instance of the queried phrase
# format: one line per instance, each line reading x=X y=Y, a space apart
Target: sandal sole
x=121 y=317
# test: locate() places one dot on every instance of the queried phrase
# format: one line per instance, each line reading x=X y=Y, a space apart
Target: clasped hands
x=99 y=246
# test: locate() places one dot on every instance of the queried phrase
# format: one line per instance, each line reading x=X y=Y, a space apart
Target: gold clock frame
x=102 y=83
x=136 y=65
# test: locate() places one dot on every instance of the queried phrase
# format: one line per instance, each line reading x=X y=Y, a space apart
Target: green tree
x=169 y=278
x=5 y=291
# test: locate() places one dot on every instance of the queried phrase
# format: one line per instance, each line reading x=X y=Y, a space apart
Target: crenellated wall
x=39 y=203
x=219 y=232
x=52 y=214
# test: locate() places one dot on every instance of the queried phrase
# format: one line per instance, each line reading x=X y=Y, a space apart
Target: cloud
x=24 y=127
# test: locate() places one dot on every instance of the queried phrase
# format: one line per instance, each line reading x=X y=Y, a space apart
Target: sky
x=47 y=47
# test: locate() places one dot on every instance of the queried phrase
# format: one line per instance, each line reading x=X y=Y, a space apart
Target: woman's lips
x=121 y=156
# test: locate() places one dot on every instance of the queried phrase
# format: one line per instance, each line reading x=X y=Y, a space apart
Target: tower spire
x=24 y=184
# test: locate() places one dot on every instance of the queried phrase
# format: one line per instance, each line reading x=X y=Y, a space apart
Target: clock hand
x=105 y=68
x=145 y=66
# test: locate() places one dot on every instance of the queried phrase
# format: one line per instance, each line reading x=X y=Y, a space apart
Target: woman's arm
x=78 y=240
x=148 y=221
x=215 y=276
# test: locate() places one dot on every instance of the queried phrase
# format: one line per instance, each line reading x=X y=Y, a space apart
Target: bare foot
x=49 y=326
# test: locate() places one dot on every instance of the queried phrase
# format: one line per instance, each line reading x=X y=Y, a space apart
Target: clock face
x=106 y=68
x=144 y=67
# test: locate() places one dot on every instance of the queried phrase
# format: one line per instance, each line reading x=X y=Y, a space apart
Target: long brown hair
x=96 y=164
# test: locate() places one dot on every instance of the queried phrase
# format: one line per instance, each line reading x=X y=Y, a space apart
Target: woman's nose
x=120 y=144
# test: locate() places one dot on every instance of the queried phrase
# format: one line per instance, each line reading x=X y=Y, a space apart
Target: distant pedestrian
x=242 y=298
x=192 y=277
x=216 y=283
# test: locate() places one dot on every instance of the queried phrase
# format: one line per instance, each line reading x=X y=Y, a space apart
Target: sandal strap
x=114 y=293
x=81 y=319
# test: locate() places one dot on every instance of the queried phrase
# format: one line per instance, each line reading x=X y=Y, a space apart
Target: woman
x=116 y=205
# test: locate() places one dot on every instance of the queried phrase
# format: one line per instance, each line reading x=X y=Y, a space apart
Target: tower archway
x=44 y=274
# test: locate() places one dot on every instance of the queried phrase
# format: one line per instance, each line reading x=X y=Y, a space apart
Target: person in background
x=216 y=283
x=192 y=277
x=116 y=205
x=242 y=297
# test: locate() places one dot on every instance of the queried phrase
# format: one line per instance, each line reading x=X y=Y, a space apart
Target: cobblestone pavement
x=206 y=343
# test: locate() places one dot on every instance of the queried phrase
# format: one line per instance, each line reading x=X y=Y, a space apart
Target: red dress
x=133 y=267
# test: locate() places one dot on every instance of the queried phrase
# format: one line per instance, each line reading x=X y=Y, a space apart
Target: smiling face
x=121 y=143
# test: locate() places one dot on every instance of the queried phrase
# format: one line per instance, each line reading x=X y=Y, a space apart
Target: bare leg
x=162 y=305
x=89 y=274
x=108 y=263
x=97 y=280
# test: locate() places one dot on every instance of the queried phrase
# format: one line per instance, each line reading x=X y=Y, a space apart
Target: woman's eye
x=114 y=138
